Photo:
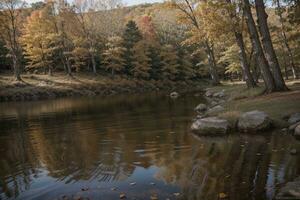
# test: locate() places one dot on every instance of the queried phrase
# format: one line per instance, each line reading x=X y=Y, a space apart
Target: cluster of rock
x=249 y=122
x=294 y=124
x=290 y=190
x=204 y=124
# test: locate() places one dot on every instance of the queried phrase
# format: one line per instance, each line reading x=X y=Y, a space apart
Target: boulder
x=215 y=109
x=290 y=190
x=211 y=126
x=214 y=103
x=201 y=108
x=220 y=94
x=297 y=132
x=209 y=93
x=293 y=127
x=174 y=95
x=254 y=121
x=294 y=118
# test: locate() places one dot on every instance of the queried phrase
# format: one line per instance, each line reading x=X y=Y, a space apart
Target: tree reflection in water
x=55 y=148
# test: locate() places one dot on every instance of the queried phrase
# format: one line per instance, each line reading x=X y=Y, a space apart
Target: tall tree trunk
x=261 y=60
x=244 y=63
x=93 y=63
x=255 y=72
x=287 y=46
x=268 y=45
x=50 y=71
x=242 y=53
x=212 y=63
x=16 y=68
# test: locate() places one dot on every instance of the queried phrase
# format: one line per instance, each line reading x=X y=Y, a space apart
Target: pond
x=141 y=146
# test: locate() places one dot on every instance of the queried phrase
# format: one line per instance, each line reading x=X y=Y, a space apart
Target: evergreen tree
x=113 y=55
x=169 y=62
x=131 y=36
x=184 y=70
x=140 y=61
x=155 y=62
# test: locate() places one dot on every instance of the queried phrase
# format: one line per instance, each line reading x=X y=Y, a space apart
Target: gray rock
x=174 y=95
x=297 y=131
x=254 y=121
x=293 y=151
x=293 y=127
x=220 y=94
x=215 y=109
x=212 y=126
x=214 y=103
x=201 y=108
x=209 y=93
x=294 y=118
x=290 y=190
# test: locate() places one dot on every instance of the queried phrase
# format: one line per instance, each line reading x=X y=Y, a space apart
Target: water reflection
x=54 y=148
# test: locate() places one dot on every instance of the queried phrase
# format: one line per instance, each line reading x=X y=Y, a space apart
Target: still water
x=141 y=146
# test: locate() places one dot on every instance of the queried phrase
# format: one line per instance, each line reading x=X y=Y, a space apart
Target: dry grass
x=37 y=86
x=276 y=105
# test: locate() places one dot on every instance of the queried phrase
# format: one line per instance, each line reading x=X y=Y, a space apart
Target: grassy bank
x=277 y=105
x=34 y=86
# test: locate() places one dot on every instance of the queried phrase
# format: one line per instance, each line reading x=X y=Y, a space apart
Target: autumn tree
x=10 y=18
x=189 y=15
x=114 y=55
x=221 y=20
x=280 y=11
x=169 y=59
x=140 y=61
x=40 y=39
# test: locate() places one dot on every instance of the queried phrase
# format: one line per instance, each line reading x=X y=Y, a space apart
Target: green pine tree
x=131 y=36
x=155 y=62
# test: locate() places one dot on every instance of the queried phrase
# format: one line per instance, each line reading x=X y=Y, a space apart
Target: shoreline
x=42 y=87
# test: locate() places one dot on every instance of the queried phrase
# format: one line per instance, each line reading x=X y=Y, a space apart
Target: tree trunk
x=287 y=46
x=244 y=63
x=268 y=45
x=258 y=51
x=16 y=69
x=50 y=71
x=242 y=53
x=212 y=64
x=93 y=63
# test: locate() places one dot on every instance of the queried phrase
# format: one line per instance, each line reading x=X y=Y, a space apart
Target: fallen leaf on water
x=222 y=195
x=77 y=198
x=154 y=197
x=122 y=196
x=176 y=194
x=228 y=176
x=258 y=154
x=85 y=189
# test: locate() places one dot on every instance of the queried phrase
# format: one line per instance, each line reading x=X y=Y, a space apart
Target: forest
x=176 y=40
x=174 y=100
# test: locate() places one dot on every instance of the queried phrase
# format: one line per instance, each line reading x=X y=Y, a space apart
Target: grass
x=277 y=105
x=38 y=86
